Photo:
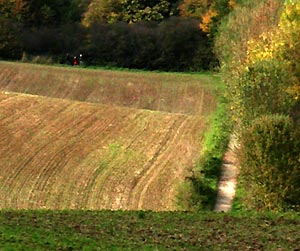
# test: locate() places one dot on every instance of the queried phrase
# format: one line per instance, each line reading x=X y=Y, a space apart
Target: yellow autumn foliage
x=281 y=43
x=207 y=19
x=232 y=4
x=272 y=43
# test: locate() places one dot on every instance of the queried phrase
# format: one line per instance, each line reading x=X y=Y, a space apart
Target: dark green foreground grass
x=105 y=230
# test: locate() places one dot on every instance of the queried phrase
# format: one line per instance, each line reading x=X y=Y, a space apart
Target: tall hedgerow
x=262 y=88
x=270 y=160
x=247 y=22
x=258 y=47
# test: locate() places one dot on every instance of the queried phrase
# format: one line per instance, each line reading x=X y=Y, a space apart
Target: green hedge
x=270 y=164
x=263 y=88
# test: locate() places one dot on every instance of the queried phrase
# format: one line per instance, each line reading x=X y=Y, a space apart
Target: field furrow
x=180 y=93
x=61 y=149
x=80 y=155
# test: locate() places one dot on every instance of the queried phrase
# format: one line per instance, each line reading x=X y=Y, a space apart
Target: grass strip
x=119 y=230
x=199 y=192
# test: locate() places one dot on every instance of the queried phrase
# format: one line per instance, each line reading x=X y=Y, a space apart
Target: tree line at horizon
x=156 y=35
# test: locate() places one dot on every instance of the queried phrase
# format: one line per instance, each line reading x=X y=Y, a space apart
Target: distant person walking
x=75 y=61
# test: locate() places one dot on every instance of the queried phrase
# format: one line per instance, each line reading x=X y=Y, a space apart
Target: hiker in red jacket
x=75 y=61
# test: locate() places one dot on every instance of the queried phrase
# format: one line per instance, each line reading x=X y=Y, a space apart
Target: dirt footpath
x=228 y=178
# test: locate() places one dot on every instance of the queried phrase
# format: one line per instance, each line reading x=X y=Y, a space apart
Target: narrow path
x=228 y=178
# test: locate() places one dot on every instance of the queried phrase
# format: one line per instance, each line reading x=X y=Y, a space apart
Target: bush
x=270 y=164
x=263 y=88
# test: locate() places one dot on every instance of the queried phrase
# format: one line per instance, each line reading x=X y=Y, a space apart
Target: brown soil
x=65 y=154
x=174 y=93
x=61 y=154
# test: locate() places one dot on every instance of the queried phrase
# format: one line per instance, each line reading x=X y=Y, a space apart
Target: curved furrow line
x=133 y=139
x=128 y=173
x=153 y=169
x=189 y=147
x=16 y=117
x=63 y=158
x=41 y=179
x=174 y=165
x=87 y=192
x=88 y=138
x=14 y=143
x=4 y=139
x=107 y=128
x=28 y=154
x=97 y=185
x=115 y=181
x=159 y=166
x=120 y=191
x=20 y=133
x=152 y=147
x=6 y=77
x=95 y=193
x=101 y=172
x=60 y=156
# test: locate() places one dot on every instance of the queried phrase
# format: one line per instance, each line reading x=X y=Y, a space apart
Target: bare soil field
x=60 y=154
x=169 y=92
x=64 y=154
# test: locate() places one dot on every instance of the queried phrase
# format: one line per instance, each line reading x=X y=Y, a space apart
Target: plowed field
x=176 y=93
x=65 y=154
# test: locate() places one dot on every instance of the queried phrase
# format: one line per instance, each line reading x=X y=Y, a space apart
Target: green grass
x=200 y=190
x=214 y=147
x=108 y=230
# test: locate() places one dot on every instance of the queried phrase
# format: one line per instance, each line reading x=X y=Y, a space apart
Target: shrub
x=270 y=164
x=250 y=19
x=263 y=88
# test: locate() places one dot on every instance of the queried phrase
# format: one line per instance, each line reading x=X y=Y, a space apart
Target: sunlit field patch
x=105 y=152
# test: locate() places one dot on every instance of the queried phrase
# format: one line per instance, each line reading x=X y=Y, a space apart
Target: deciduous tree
x=130 y=11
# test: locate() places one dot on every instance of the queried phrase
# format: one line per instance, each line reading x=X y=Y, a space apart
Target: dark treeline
x=53 y=29
x=172 y=45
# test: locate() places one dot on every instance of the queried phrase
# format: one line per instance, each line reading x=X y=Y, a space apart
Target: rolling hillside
x=169 y=92
x=66 y=154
